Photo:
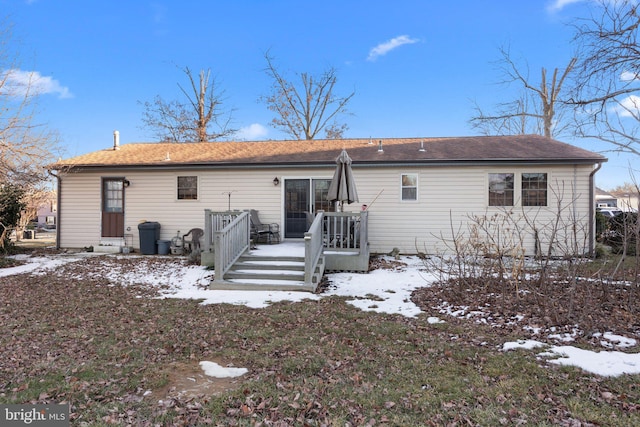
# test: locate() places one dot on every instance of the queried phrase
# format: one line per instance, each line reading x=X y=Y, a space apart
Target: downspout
x=58 y=202
x=592 y=204
x=575 y=192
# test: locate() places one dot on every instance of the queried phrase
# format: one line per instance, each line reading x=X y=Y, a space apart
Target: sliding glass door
x=303 y=197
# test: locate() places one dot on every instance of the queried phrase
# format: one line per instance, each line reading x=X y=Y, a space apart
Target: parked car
x=610 y=212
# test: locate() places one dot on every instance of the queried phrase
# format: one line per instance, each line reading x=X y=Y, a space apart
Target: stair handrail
x=215 y=221
x=230 y=243
x=313 y=249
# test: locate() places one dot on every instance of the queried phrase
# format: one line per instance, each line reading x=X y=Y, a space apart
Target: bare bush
x=493 y=256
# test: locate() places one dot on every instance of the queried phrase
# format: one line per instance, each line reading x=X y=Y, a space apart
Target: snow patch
x=212 y=369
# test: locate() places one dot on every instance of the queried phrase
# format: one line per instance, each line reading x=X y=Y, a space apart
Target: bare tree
x=607 y=85
x=626 y=187
x=198 y=119
x=304 y=110
x=537 y=110
x=33 y=199
x=25 y=146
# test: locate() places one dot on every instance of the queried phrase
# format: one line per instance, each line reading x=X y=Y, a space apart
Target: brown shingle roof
x=520 y=148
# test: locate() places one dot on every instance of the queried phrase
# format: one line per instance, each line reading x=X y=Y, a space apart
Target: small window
x=501 y=189
x=409 y=187
x=187 y=188
x=534 y=189
x=113 y=195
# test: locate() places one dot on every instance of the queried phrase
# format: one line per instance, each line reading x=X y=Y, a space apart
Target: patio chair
x=191 y=240
x=263 y=233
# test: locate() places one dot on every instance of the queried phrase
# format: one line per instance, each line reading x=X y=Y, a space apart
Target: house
x=605 y=199
x=47 y=210
x=627 y=201
x=419 y=192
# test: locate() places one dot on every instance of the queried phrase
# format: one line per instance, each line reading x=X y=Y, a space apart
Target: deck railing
x=215 y=221
x=346 y=231
x=346 y=240
x=313 y=248
x=335 y=241
x=230 y=243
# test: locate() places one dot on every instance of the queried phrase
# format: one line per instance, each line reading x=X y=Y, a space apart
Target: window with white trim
x=501 y=187
x=534 y=189
x=187 y=188
x=409 y=187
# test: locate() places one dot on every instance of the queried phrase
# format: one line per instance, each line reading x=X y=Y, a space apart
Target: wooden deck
x=336 y=241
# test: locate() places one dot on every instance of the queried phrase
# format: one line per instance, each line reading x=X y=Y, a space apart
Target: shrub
x=623 y=233
x=10 y=207
x=602 y=226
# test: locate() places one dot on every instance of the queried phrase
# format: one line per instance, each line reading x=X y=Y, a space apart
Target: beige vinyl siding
x=152 y=196
x=447 y=197
x=79 y=213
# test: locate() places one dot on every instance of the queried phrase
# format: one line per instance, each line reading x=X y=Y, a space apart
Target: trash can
x=149 y=235
x=164 y=246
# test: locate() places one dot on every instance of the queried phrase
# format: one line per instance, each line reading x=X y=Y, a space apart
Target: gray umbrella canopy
x=343 y=186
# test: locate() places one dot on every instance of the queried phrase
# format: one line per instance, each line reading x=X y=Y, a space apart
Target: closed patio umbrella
x=343 y=186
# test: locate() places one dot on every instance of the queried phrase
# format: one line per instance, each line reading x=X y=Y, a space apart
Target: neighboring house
x=48 y=211
x=419 y=191
x=605 y=199
x=627 y=201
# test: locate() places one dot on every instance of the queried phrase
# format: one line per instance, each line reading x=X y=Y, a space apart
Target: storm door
x=302 y=199
x=113 y=207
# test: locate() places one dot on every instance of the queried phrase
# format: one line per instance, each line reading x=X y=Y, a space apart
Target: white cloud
x=388 y=46
x=19 y=83
x=252 y=132
x=557 y=5
x=629 y=107
x=628 y=76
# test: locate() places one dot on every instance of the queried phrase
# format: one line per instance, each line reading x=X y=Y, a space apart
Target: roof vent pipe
x=116 y=140
x=380 y=150
x=421 y=149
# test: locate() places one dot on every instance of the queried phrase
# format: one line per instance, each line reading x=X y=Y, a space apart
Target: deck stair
x=268 y=273
x=334 y=240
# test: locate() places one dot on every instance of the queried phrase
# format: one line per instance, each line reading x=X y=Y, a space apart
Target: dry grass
x=73 y=337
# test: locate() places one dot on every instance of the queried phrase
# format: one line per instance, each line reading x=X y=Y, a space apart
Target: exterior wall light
x=276 y=181
x=126 y=183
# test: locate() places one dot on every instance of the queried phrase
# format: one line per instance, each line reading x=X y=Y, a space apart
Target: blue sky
x=417 y=67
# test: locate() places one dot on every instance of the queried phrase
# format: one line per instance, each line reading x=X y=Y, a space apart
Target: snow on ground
x=40 y=265
x=212 y=369
x=382 y=291
x=605 y=363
